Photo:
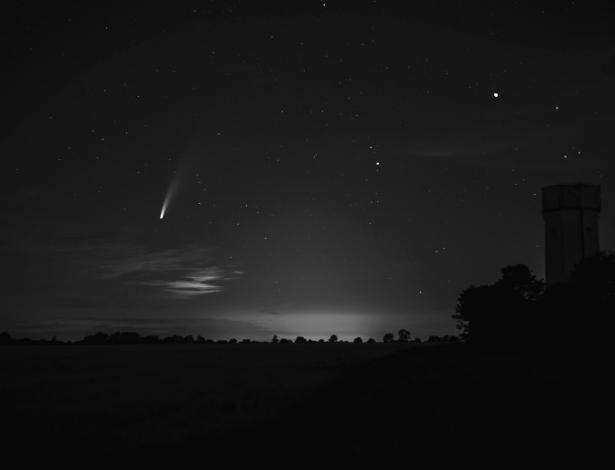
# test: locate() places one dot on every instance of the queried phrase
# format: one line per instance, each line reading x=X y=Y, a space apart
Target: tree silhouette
x=275 y=340
x=300 y=340
x=97 y=338
x=151 y=339
x=491 y=315
x=388 y=338
x=333 y=339
x=518 y=311
x=403 y=335
x=472 y=303
x=594 y=278
x=5 y=338
x=519 y=279
x=573 y=309
x=358 y=340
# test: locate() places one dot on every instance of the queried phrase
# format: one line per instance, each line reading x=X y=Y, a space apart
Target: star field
x=368 y=162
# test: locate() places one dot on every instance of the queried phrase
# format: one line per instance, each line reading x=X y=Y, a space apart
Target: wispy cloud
x=182 y=272
x=93 y=266
x=206 y=281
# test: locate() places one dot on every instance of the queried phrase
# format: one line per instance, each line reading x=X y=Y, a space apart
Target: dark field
x=285 y=400
x=160 y=394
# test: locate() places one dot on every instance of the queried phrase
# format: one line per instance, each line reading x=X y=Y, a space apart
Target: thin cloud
x=183 y=272
x=206 y=281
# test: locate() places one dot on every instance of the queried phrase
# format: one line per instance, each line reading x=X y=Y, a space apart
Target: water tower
x=571 y=227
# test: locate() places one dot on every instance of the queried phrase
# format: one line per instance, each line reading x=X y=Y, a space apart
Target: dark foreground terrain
x=263 y=402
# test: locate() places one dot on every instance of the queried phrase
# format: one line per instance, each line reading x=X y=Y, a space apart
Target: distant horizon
x=67 y=330
x=238 y=339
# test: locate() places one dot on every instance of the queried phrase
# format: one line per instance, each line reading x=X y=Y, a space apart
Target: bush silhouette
x=358 y=340
x=388 y=338
x=333 y=339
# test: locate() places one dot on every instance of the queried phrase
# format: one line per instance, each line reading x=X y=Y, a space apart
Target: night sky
x=328 y=167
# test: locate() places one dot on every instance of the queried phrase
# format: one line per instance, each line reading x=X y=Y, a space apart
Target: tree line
x=131 y=337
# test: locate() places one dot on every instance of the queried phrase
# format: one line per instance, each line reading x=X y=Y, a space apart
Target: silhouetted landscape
x=161 y=397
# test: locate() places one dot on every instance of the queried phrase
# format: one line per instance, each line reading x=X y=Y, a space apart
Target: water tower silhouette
x=571 y=227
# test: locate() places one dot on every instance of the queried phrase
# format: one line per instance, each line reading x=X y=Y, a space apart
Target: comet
x=181 y=175
x=171 y=192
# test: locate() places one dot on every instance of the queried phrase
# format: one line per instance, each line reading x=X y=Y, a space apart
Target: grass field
x=299 y=398
x=151 y=394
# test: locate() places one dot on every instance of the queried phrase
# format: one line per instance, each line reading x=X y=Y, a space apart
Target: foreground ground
x=279 y=400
